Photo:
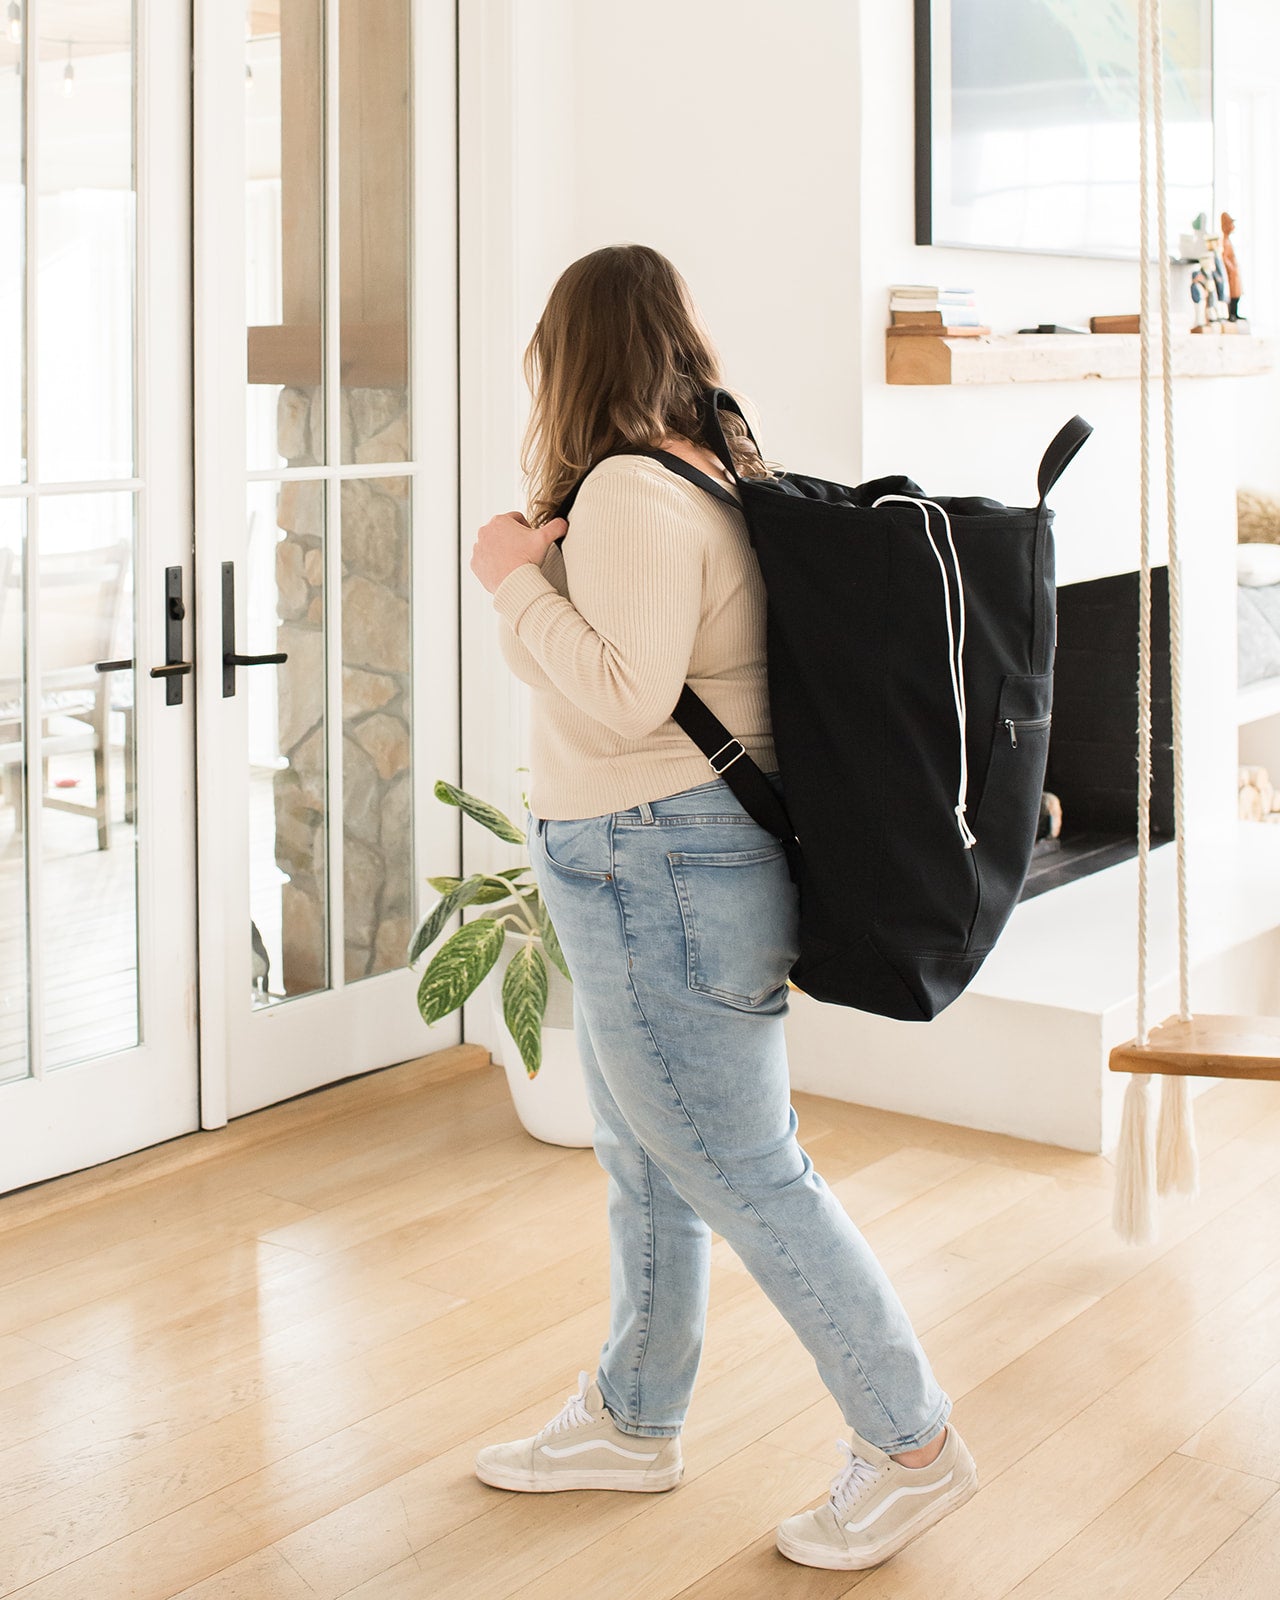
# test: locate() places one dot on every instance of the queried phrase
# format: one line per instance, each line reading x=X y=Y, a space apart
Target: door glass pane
x=86 y=239
x=283 y=610
x=284 y=231
x=13 y=866
x=377 y=722
x=89 y=867
x=373 y=211
x=12 y=251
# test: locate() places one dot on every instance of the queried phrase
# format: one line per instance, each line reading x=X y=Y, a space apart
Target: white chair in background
x=81 y=593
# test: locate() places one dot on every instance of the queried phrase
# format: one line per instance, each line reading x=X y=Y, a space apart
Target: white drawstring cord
x=955 y=648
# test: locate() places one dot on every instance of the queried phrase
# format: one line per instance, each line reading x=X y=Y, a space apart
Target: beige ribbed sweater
x=655 y=583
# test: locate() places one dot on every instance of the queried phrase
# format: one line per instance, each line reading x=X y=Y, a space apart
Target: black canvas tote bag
x=910 y=651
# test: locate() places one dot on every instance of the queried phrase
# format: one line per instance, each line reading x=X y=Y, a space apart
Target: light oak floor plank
x=258 y=1367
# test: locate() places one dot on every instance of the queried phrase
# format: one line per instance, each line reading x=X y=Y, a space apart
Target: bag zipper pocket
x=1012 y=724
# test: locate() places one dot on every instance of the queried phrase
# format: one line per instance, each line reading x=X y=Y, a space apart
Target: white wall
x=725 y=134
x=769 y=151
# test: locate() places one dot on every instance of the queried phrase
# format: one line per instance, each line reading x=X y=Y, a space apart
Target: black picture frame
x=992 y=32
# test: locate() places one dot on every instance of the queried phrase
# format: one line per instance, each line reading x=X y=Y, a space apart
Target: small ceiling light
x=15 y=21
x=68 y=75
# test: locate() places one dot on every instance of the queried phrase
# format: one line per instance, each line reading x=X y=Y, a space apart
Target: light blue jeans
x=679 y=922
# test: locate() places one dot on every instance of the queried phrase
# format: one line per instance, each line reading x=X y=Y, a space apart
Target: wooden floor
x=257 y=1363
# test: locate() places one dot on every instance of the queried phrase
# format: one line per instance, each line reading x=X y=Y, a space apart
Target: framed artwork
x=1027 y=123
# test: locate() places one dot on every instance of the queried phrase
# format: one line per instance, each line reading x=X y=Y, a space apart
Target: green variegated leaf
x=463 y=893
x=551 y=941
x=480 y=810
x=444 y=885
x=524 y=1003
x=486 y=895
x=458 y=967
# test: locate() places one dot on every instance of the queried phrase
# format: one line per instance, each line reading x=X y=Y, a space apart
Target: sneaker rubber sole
x=511 y=1478
x=821 y=1555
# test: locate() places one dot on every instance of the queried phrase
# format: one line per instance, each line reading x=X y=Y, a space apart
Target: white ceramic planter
x=552 y=1105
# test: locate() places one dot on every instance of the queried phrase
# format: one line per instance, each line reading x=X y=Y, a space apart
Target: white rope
x=1144 y=512
x=1171 y=509
x=955 y=648
x=1136 y=1178
x=1176 y=1161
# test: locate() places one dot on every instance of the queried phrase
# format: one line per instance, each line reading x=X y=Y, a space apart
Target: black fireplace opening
x=1091 y=784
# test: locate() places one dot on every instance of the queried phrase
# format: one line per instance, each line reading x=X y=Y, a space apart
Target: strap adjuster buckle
x=711 y=760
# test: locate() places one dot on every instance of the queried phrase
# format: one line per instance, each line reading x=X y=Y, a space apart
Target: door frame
x=346 y=1016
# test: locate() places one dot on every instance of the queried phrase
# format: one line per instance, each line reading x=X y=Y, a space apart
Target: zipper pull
x=1013 y=731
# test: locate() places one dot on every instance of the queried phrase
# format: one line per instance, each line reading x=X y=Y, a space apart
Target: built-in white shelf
x=1258 y=700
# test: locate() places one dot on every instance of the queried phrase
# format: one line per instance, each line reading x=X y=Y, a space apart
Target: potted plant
x=514 y=949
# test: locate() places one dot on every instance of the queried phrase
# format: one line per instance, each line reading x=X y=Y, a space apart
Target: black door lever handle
x=231 y=657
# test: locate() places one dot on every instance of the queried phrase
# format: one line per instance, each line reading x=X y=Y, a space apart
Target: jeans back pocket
x=741 y=915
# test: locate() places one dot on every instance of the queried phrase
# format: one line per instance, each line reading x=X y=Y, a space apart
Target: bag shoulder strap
x=674 y=463
x=1061 y=452
x=725 y=755
x=728 y=760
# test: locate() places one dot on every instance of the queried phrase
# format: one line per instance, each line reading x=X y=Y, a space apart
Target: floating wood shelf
x=1068 y=357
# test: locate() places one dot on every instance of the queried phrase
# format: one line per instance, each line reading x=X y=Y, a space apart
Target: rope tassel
x=1134 y=1201
x=1177 y=1161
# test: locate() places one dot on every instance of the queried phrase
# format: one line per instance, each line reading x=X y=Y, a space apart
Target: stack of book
x=928 y=308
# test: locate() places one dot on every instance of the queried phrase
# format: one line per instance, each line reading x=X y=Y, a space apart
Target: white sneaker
x=874 y=1508
x=580 y=1448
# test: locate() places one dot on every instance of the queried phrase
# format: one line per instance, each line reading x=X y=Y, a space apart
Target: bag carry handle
x=1060 y=454
x=715 y=431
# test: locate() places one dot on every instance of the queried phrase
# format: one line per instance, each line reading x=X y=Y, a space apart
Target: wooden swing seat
x=1208 y=1047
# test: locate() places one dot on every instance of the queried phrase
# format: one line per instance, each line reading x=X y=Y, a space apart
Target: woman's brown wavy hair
x=620 y=356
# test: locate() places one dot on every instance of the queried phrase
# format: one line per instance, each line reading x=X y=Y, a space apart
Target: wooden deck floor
x=257 y=1363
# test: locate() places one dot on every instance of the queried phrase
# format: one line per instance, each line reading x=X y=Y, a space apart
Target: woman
x=678 y=920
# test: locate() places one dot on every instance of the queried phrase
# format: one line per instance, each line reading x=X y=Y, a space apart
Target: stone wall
x=377 y=826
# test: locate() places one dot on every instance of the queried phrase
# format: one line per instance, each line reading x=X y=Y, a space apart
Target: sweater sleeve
x=521 y=662
x=618 y=646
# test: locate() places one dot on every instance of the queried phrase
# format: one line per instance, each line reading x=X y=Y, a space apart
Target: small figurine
x=1207 y=309
x=1219 y=271
x=1232 y=268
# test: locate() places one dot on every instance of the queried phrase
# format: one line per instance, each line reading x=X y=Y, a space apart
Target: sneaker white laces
x=853 y=1479
x=574 y=1413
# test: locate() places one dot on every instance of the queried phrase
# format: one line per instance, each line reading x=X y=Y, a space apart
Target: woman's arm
x=620 y=647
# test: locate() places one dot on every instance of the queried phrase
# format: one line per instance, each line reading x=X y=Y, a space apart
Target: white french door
x=326 y=502
x=228 y=555
x=97 y=812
